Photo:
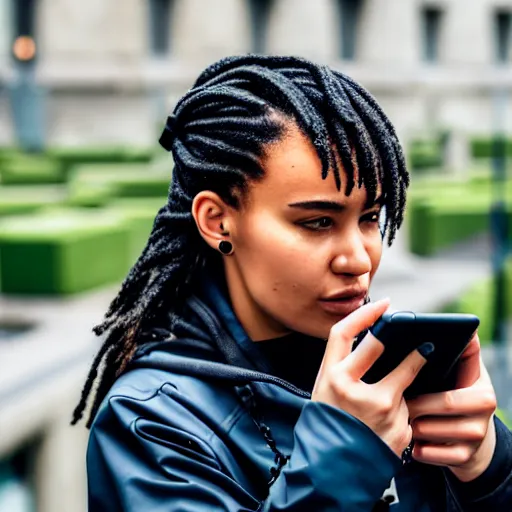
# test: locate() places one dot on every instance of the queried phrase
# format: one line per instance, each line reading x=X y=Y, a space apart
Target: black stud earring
x=226 y=247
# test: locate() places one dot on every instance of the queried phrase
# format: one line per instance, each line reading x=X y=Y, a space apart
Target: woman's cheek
x=375 y=252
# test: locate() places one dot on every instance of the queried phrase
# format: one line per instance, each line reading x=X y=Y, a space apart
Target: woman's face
x=299 y=244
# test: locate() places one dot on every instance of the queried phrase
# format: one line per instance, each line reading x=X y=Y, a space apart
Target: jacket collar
x=213 y=293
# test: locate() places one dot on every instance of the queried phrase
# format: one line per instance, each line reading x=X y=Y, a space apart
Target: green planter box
x=90 y=193
x=121 y=180
x=139 y=215
x=29 y=199
x=476 y=301
x=479 y=300
x=31 y=170
x=8 y=152
x=436 y=226
x=62 y=253
x=425 y=155
x=443 y=214
x=108 y=170
x=483 y=147
x=71 y=156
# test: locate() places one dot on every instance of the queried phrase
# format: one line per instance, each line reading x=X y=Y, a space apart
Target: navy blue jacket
x=196 y=424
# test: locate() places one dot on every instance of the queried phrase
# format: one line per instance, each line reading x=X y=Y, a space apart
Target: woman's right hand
x=381 y=406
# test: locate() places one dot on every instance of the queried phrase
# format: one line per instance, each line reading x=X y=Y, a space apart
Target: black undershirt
x=295 y=358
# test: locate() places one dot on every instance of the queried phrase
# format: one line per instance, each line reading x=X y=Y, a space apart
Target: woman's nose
x=351 y=257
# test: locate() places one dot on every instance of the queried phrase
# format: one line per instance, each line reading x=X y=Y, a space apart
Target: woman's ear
x=213 y=218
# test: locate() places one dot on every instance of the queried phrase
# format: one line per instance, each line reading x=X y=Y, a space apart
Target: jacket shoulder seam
x=154 y=393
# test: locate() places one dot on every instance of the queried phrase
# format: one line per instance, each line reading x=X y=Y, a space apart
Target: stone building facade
x=110 y=70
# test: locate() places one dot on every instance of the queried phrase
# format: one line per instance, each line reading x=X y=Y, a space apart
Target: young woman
x=229 y=378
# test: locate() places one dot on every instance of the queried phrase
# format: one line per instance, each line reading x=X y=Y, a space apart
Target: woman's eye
x=318 y=224
x=371 y=217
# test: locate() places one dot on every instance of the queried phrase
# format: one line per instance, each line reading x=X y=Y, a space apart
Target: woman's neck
x=256 y=322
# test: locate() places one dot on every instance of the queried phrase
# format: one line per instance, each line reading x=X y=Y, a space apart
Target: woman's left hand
x=456 y=428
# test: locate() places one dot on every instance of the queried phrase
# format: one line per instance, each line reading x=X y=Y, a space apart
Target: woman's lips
x=342 y=306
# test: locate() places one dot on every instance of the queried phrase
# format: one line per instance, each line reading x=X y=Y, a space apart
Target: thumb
x=468 y=366
x=343 y=333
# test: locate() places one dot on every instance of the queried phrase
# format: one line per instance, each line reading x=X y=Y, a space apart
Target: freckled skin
x=279 y=269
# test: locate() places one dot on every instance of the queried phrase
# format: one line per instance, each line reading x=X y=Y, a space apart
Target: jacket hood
x=207 y=342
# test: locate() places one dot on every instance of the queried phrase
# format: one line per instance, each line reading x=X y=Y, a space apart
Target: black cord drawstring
x=407 y=454
x=246 y=394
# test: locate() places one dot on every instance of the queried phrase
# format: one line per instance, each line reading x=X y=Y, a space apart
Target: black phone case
x=404 y=331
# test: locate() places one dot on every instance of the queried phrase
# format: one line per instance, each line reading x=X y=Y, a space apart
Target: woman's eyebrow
x=331 y=205
x=319 y=205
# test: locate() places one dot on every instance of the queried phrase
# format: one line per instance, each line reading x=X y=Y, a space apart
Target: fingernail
x=426 y=349
x=382 y=301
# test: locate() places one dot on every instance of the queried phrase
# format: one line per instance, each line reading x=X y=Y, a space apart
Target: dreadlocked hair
x=218 y=134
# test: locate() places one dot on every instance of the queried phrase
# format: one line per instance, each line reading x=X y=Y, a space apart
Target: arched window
x=432 y=25
x=503 y=35
x=260 y=12
x=160 y=16
x=349 y=14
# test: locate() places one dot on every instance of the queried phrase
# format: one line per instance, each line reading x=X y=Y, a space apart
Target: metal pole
x=499 y=232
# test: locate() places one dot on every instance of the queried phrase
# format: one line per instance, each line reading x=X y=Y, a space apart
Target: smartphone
x=402 y=332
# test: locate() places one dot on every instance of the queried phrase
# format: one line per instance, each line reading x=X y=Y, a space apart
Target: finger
x=437 y=430
x=455 y=454
x=468 y=366
x=343 y=333
x=458 y=402
x=405 y=373
x=358 y=362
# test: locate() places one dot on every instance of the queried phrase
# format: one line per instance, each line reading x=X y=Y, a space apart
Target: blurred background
x=85 y=88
